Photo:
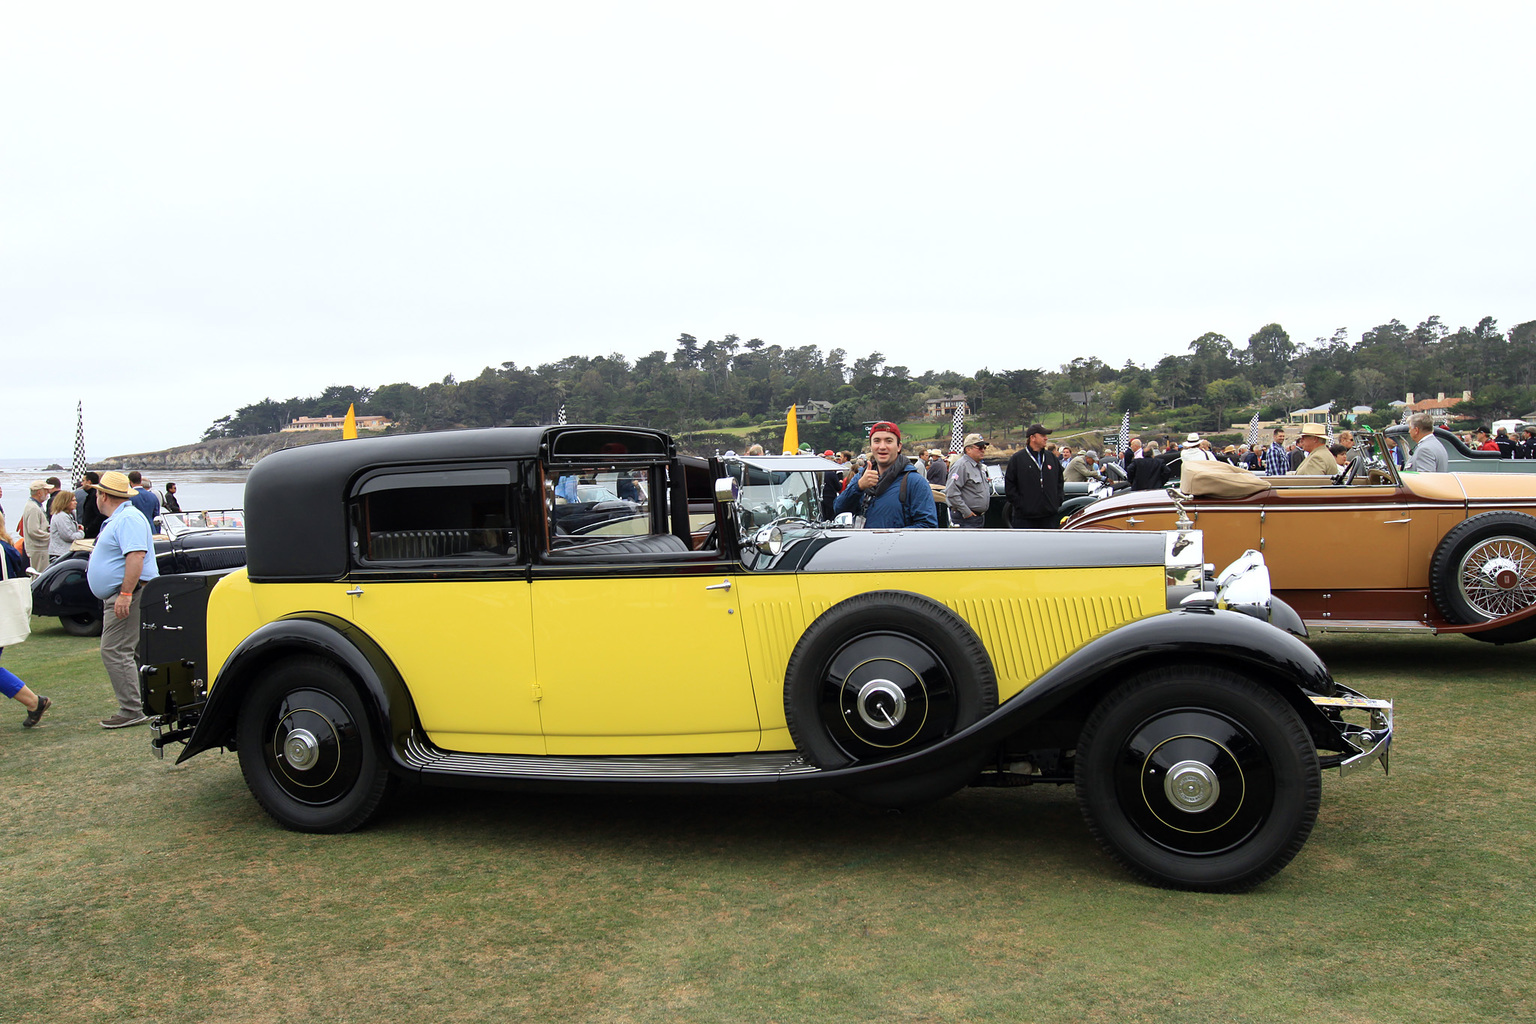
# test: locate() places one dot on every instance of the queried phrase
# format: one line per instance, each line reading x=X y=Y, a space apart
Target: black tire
x=1198 y=778
x=882 y=675
x=82 y=624
x=1485 y=568
x=306 y=748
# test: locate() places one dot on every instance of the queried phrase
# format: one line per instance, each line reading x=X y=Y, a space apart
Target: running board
x=420 y=754
x=1368 y=626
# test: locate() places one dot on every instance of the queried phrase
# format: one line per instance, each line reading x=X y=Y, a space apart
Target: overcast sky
x=206 y=204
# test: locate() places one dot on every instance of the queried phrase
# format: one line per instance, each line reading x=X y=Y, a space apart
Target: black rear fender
x=391 y=713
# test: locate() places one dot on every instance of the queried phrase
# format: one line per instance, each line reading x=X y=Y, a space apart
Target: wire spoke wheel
x=1485 y=568
x=1498 y=576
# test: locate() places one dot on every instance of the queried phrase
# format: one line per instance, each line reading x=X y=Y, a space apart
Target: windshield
x=782 y=487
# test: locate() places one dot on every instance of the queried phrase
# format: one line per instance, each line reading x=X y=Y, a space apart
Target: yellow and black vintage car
x=543 y=607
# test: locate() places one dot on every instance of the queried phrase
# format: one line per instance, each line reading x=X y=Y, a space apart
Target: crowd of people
x=115 y=511
x=1035 y=475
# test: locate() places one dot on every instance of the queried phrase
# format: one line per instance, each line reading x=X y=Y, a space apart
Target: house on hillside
x=335 y=423
x=1317 y=414
x=942 y=408
x=815 y=409
x=1439 y=408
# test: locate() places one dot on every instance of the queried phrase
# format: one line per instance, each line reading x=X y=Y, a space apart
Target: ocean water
x=209 y=490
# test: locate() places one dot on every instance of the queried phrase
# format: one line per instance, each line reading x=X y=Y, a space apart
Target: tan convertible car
x=1374 y=550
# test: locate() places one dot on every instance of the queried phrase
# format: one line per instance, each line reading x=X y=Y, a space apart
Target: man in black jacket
x=1032 y=483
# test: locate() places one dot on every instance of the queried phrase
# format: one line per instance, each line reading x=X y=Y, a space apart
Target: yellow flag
x=792 y=433
x=349 y=425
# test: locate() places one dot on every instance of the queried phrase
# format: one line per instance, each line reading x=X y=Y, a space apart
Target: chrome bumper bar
x=1373 y=741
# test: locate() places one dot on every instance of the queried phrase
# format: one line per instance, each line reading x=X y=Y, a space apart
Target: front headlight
x=1243 y=586
x=1183 y=564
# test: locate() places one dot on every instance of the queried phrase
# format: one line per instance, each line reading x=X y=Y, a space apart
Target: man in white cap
x=1195 y=450
x=936 y=470
x=1319 y=460
x=122 y=561
x=967 y=490
x=34 y=525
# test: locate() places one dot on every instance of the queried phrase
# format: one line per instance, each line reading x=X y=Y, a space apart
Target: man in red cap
x=891 y=493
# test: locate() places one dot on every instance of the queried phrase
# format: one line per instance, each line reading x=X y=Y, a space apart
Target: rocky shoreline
x=225 y=453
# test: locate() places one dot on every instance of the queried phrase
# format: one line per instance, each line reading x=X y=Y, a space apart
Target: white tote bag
x=15 y=606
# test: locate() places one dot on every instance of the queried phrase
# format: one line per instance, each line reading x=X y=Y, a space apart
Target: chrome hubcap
x=1191 y=786
x=301 y=750
x=881 y=704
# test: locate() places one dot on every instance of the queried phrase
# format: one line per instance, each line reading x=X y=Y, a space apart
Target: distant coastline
x=219 y=454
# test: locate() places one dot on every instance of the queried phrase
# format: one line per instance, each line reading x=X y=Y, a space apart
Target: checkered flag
x=560 y=416
x=957 y=431
x=1328 y=421
x=1125 y=432
x=1253 y=431
x=1407 y=412
x=79 y=466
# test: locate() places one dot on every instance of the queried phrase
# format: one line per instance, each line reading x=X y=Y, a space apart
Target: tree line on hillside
x=731 y=383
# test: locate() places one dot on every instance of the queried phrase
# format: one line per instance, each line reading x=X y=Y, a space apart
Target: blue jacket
x=888 y=511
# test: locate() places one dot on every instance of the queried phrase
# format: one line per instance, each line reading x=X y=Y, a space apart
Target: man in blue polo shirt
x=122 y=561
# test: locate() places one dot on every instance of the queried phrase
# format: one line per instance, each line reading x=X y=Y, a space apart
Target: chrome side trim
x=420 y=753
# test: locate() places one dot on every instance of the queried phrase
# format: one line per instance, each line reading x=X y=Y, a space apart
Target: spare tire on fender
x=882 y=675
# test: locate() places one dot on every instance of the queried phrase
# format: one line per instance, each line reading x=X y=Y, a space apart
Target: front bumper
x=1370 y=738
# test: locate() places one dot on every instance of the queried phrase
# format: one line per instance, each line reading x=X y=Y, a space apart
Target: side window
x=458 y=517
x=599 y=502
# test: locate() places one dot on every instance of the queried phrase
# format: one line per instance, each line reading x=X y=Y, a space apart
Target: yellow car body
x=540 y=607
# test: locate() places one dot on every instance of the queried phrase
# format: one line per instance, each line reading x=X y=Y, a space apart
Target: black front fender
x=391 y=712
x=1209 y=637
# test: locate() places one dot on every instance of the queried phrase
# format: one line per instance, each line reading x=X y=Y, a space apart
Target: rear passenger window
x=599 y=502
x=458 y=517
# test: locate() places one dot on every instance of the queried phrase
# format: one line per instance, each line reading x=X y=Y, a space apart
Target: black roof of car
x=295 y=499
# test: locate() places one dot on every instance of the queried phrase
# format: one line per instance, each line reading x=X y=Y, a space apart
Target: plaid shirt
x=1276 y=461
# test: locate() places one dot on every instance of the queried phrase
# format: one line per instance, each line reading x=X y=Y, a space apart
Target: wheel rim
x=883 y=694
x=312 y=747
x=1498 y=576
x=1194 y=781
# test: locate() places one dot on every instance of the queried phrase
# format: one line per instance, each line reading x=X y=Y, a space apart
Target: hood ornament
x=1178 y=496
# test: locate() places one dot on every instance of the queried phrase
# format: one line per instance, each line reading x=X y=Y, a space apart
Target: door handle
x=1389 y=522
x=1133 y=519
x=719 y=586
x=355 y=592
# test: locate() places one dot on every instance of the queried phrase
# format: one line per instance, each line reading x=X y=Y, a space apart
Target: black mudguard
x=1240 y=642
x=390 y=709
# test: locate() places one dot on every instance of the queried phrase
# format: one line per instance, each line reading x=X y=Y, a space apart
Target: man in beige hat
x=122 y=561
x=967 y=489
x=936 y=470
x=34 y=525
x=1319 y=461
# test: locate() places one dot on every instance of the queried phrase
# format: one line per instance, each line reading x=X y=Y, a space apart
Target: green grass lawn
x=141 y=891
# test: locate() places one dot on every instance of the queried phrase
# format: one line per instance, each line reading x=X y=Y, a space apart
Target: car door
x=440 y=583
x=1336 y=538
x=642 y=659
